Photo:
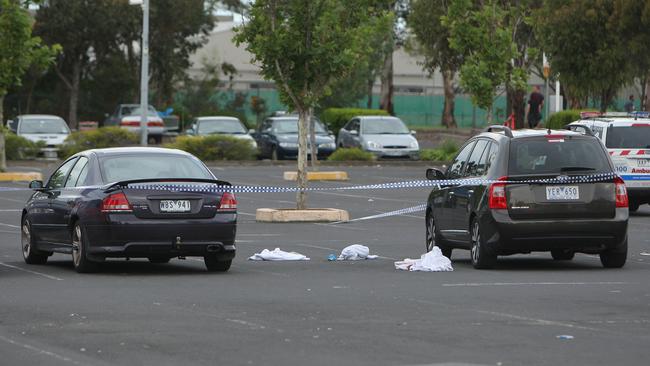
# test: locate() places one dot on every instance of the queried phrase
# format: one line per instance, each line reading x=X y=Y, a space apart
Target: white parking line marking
x=259 y=234
x=479 y=284
x=11 y=210
x=366 y=197
x=245 y=214
x=535 y=320
x=32 y=272
x=12 y=200
x=10 y=225
x=347 y=226
x=39 y=351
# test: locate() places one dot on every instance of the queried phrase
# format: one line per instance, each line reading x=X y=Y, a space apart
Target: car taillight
x=621 y=193
x=497 y=197
x=130 y=123
x=155 y=124
x=228 y=202
x=116 y=202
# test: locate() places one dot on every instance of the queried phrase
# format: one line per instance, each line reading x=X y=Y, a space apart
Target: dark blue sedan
x=131 y=203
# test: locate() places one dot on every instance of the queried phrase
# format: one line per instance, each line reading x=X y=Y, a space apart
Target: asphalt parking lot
x=320 y=312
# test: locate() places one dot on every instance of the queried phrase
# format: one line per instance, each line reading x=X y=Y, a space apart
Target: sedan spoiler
x=125 y=183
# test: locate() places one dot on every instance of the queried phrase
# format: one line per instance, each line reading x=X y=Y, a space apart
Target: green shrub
x=445 y=152
x=562 y=118
x=215 y=147
x=335 y=118
x=20 y=148
x=97 y=139
x=356 y=154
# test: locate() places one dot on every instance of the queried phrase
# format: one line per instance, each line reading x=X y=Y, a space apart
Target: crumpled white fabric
x=433 y=261
x=277 y=255
x=355 y=252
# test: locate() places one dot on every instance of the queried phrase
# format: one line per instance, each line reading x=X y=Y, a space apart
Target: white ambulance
x=627 y=138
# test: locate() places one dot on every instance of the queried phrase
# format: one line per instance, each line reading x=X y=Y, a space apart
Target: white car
x=386 y=137
x=627 y=138
x=52 y=130
x=221 y=125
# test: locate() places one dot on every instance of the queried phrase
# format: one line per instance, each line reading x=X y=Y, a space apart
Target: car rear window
x=628 y=137
x=564 y=155
x=43 y=125
x=150 y=166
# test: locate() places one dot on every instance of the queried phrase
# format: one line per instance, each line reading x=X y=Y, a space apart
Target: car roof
x=524 y=133
x=39 y=116
x=377 y=117
x=217 y=117
x=136 y=149
x=626 y=121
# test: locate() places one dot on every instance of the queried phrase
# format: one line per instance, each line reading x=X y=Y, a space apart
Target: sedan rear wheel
x=159 y=260
x=432 y=238
x=274 y=154
x=30 y=254
x=213 y=264
x=482 y=256
x=79 y=252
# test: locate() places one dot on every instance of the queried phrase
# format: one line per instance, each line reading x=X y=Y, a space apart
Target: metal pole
x=144 y=74
x=557 y=95
x=546 y=102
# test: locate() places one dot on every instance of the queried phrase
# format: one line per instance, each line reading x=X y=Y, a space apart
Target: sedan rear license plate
x=559 y=193
x=175 y=206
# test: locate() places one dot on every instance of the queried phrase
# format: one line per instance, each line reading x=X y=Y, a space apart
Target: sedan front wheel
x=30 y=254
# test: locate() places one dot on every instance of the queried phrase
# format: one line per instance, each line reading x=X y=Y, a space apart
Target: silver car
x=386 y=137
x=51 y=130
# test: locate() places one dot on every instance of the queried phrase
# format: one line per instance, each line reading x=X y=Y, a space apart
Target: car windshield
x=210 y=126
x=150 y=166
x=286 y=126
x=135 y=110
x=541 y=156
x=628 y=137
x=381 y=126
x=43 y=125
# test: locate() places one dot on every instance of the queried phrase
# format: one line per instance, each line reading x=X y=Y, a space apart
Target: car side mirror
x=354 y=132
x=435 y=174
x=36 y=185
x=413 y=132
x=189 y=131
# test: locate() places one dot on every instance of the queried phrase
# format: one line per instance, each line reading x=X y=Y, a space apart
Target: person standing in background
x=534 y=107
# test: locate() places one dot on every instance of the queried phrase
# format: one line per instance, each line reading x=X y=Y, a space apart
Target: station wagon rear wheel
x=79 y=252
x=213 y=264
x=433 y=239
x=615 y=257
x=482 y=256
x=30 y=254
x=562 y=255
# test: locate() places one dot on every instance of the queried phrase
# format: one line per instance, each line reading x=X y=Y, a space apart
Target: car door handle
x=452 y=194
x=470 y=192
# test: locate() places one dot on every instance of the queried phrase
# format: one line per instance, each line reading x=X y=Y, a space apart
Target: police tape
x=403 y=211
x=215 y=188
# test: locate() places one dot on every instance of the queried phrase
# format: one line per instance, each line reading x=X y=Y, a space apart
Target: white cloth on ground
x=355 y=252
x=433 y=261
x=277 y=255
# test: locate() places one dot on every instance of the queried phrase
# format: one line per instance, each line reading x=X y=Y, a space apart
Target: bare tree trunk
x=74 y=95
x=519 y=107
x=488 y=117
x=371 y=83
x=645 y=102
x=301 y=197
x=448 y=119
x=312 y=140
x=386 y=101
x=3 y=160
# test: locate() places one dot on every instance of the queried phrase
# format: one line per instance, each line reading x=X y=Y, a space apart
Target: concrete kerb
x=325 y=175
x=20 y=176
x=308 y=215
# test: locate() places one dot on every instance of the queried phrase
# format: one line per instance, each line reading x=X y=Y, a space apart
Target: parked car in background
x=221 y=125
x=627 y=138
x=131 y=202
x=51 y=130
x=277 y=138
x=129 y=116
x=501 y=212
x=386 y=137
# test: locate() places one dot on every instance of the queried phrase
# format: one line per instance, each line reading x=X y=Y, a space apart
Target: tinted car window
x=129 y=167
x=290 y=126
x=622 y=137
x=76 y=171
x=556 y=156
x=456 y=168
x=217 y=126
x=490 y=155
x=474 y=166
x=58 y=177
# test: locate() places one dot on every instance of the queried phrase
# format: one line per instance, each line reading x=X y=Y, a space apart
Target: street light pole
x=144 y=74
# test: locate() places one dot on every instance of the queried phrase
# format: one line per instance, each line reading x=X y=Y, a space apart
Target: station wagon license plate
x=175 y=206
x=559 y=193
